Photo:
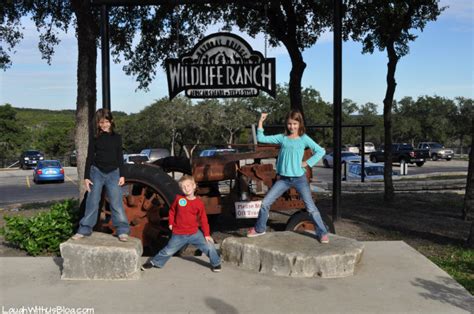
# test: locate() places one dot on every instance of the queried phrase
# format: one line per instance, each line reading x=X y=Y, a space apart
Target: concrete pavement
x=391 y=277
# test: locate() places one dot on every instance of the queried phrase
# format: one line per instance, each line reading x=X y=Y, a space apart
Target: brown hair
x=103 y=114
x=186 y=177
x=295 y=115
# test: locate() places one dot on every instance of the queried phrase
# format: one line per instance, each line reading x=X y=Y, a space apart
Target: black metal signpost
x=337 y=97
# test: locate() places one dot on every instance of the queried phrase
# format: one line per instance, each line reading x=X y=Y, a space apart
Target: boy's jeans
x=281 y=186
x=114 y=193
x=177 y=241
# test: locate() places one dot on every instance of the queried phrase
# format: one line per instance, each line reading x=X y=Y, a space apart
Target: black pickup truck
x=402 y=152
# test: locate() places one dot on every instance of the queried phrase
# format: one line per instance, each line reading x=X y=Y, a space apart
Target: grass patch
x=458 y=262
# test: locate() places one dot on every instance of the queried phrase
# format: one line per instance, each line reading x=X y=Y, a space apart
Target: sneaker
x=252 y=233
x=77 y=236
x=123 y=237
x=217 y=268
x=324 y=239
x=147 y=265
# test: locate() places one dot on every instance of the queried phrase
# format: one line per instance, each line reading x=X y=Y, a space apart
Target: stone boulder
x=294 y=254
x=101 y=257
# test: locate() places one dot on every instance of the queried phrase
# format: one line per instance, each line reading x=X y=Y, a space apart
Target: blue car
x=48 y=170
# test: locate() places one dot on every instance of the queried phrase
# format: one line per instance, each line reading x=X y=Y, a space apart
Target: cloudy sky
x=440 y=63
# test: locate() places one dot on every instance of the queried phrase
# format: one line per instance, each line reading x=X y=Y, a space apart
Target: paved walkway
x=392 y=277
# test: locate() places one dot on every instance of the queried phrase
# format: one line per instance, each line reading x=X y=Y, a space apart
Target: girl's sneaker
x=252 y=233
x=324 y=239
x=77 y=236
x=147 y=265
x=217 y=268
x=123 y=237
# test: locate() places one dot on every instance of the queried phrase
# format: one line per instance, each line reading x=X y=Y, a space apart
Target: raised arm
x=262 y=138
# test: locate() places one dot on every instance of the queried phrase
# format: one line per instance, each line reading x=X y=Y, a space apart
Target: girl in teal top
x=291 y=168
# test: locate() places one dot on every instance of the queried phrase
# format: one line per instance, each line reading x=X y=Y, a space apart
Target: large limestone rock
x=294 y=254
x=101 y=257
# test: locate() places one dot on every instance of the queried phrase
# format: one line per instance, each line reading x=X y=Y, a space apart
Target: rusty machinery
x=149 y=191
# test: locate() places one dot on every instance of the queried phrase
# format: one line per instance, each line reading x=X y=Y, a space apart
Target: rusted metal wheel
x=301 y=222
x=148 y=194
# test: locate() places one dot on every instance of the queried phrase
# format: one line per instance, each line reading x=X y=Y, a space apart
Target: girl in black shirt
x=103 y=168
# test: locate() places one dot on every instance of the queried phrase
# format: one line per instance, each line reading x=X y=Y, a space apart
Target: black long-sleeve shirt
x=105 y=152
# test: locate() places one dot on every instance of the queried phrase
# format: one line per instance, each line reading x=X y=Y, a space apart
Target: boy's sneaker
x=77 y=236
x=252 y=233
x=147 y=265
x=324 y=239
x=217 y=268
x=123 y=237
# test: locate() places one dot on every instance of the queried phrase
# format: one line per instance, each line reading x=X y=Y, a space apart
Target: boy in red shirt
x=184 y=214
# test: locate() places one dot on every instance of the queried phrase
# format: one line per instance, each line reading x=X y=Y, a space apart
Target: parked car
x=437 y=150
x=402 y=152
x=48 y=170
x=135 y=158
x=73 y=159
x=369 y=147
x=346 y=157
x=217 y=151
x=372 y=171
x=350 y=148
x=30 y=158
x=155 y=153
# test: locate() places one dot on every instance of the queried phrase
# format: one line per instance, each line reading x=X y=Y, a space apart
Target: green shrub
x=43 y=232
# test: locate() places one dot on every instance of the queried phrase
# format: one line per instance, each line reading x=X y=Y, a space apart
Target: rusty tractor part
x=148 y=194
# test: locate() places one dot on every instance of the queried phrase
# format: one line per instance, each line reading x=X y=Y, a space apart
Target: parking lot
x=16 y=185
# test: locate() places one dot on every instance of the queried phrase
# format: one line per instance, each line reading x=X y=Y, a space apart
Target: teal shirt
x=291 y=152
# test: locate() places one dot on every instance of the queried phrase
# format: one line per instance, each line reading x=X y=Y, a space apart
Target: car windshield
x=406 y=146
x=32 y=152
x=348 y=154
x=436 y=145
x=374 y=171
x=50 y=164
x=138 y=159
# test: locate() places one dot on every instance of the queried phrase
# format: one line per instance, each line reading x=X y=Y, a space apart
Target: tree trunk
x=288 y=37
x=469 y=196
x=387 y=121
x=87 y=33
x=470 y=240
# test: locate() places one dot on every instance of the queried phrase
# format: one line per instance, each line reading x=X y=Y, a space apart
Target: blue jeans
x=114 y=193
x=281 y=186
x=177 y=241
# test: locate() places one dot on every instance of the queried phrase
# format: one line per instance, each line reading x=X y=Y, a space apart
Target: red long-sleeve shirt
x=185 y=215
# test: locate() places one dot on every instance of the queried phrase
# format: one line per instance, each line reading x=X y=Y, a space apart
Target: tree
x=231 y=118
x=295 y=24
x=12 y=134
x=461 y=120
x=389 y=25
x=52 y=17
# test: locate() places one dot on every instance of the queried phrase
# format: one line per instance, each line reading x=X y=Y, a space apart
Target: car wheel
x=326 y=164
x=420 y=163
x=373 y=159
x=448 y=159
x=434 y=157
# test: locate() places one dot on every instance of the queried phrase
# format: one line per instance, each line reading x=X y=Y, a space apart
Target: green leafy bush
x=43 y=232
